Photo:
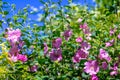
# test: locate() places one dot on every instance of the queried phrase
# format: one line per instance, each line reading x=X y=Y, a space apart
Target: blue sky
x=22 y=3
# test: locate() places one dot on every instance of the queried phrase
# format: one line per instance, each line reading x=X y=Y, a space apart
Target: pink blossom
x=113 y=73
x=85 y=45
x=91 y=67
x=57 y=43
x=56 y=54
x=79 y=39
x=80 y=54
x=79 y=20
x=13 y=35
x=94 y=77
x=104 y=55
x=14 y=58
x=104 y=65
x=115 y=69
x=83 y=26
x=112 y=31
x=110 y=43
x=118 y=36
x=67 y=34
x=22 y=57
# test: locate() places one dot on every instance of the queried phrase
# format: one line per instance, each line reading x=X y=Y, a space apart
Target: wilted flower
x=104 y=55
x=33 y=68
x=56 y=54
x=45 y=48
x=104 y=65
x=91 y=67
x=67 y=34
x=79 y=39
x=14 y=50
x=94 y=77
x=22 y=57
x=57 y=43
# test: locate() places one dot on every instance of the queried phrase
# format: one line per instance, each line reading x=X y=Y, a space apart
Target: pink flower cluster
x=13 y=36
x=56 y=52
x=81 y=53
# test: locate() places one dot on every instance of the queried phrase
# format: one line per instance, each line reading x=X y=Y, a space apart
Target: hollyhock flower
x=67 y=34
x=104 y=55
x=104 y=65
x=13 y=35
x=79 y=39
x=45 y=48
x=94 y=77
x=22 y=57
x=33 y=68
x=118 y=36
x=57 y=43
x=85 y=45
x=112 y=31
x=56 y=54
x=91 y=67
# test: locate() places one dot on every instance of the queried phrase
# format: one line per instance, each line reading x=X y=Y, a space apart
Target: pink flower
x=14 y=58
x=115 y=67
x=76 y=59
x=118 y=36
x=45 y=48
x=22 y=57
x=79 y=39
x=67 y=34
x=56 y=54
x=80 y=54
x=91 y=67
x=13 y=35
x=104 y=65
x=112 y=31
x=34 y=68
x=110 y=43
x=94 y=77
x=57 y=43
x=104 y=55
x=79 y=20
x=113 y=73
x=83 y=26
x=85 y=45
